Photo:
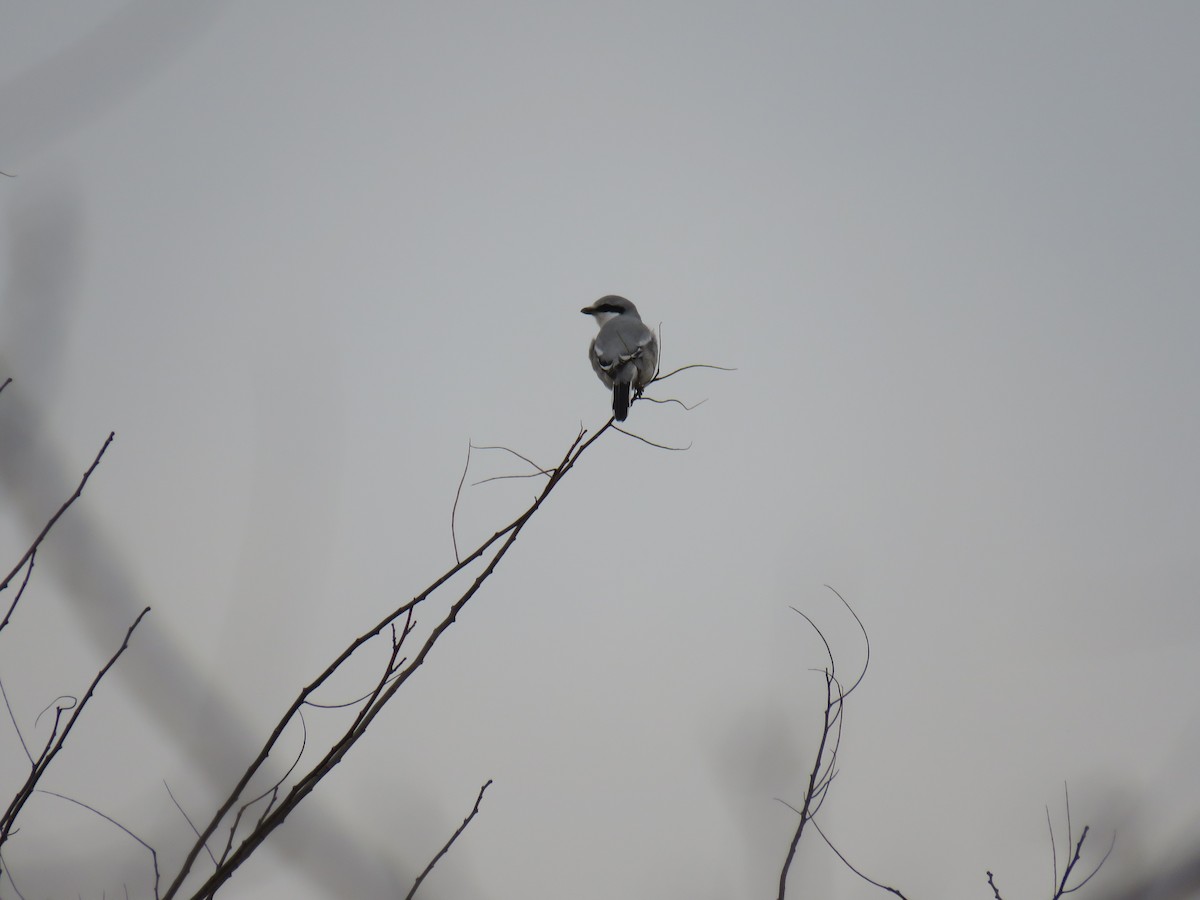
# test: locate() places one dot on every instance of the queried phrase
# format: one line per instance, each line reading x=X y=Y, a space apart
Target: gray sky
x=296 y=256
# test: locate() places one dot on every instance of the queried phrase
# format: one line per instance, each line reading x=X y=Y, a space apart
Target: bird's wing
x=621 y=340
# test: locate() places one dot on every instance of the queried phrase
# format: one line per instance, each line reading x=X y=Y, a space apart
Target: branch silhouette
x=56 y=740
x=446 y=847
x=395 y=676
x=824 y=765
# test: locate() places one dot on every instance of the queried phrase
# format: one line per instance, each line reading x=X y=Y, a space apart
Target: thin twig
x=492 y=478
x=21 y=590
x=850 y=866
x=659 y=378
x=188 y=819
x=806 y=809
x=992 y=882
x=454 y=837
x=16 y=727
x=1062 y=886
x=387 y=689
x=666 y=400
x=110 y=819
x=1092 y=874
x=651 y=443
x=57 y=740
x=1053 y=850
x=272 y=792
x=454 y=508
x=5 y=870
x=824 y=768
x=53 y=519
x=1059 y=886
x=540 y=470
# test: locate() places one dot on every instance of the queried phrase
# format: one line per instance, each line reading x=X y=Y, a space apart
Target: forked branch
x=494 y=549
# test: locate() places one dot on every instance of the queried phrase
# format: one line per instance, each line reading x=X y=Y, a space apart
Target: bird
x=624 y=353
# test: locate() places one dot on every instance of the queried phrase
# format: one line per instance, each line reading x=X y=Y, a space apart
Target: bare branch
x=454 y=837
x=53 y=519
x=1060 y=886
x=21 y=590
x=57 y=740
x=806 y=809
x=1092 y=874
x=992 y=882
x=385 y=690
x=824 y=768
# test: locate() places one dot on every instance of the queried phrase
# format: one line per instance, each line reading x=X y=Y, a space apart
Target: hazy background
x=298 y=255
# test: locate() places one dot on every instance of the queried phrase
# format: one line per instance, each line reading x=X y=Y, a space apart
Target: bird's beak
x=587 y=310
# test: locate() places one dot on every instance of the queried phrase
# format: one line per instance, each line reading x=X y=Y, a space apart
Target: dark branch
x=386 y=689
x=454 y=837
x=992 y=882
x=53 y=519
x=56 y=741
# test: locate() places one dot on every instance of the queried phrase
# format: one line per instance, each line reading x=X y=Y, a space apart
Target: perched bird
x=624 y=353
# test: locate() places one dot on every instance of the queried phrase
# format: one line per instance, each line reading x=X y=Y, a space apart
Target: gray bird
x=624 y=353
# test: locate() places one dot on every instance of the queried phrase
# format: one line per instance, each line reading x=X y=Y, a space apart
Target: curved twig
x=666 y=400
x=7 y=871
x=454 y=508
x=1092 y=874
x=108 y=818
x=824 y=768
x=866 y=641
x=658 y=378
x=638 y=437
x=850 y=866
x=540 y=470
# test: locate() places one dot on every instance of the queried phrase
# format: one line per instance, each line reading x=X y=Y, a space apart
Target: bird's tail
x=620 y=400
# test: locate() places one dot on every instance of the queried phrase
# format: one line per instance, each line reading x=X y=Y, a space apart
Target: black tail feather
x=620 y=400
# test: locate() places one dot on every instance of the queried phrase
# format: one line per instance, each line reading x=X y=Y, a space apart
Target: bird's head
x=610 y=307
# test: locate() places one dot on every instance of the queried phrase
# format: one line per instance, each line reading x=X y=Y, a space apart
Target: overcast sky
x=298 y=255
